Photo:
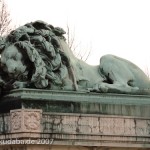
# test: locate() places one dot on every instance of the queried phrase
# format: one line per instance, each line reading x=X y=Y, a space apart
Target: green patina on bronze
x=76 y=102
x=36 y=55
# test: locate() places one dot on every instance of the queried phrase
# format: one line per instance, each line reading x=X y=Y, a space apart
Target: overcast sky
x=119 y=27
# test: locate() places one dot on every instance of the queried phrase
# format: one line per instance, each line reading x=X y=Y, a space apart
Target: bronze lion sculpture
x=36 y=55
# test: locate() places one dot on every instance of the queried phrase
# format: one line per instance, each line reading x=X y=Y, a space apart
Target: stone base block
x=76 y=102
x=24 y=120
x=33 y=119
x=32 y=129
x=49 y=147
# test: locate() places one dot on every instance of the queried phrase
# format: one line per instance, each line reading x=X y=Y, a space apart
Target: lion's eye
x=14 y=58
x=2 y=65
x=4 y=68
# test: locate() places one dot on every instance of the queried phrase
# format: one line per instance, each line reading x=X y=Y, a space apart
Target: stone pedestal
x=55 y=120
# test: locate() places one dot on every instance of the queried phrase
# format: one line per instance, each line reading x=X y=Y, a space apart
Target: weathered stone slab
x=58 y=147
x=99 y=131
x=96 y=125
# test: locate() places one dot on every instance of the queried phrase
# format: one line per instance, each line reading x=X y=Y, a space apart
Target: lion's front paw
x=18 y=84
x=100 y=87
x=1 y=82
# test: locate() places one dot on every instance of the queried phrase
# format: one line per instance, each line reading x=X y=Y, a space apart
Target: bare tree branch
x=76 y=47
x=147 y=72
x=5 y=20
x=70 y=38
x=88 y=55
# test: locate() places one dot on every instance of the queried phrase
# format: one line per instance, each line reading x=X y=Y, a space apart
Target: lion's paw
x=18 y=84
x=100 y=87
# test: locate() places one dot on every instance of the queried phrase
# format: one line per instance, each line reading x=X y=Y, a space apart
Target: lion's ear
x=39 y=75
x=31 y=55
x=35 y=56
x=2 y=47
x=28 y=48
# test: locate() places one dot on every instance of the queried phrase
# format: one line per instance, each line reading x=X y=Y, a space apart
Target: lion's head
x=34 y=54
x=12 y=62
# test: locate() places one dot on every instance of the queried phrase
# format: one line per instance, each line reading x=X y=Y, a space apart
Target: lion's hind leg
x=117 y=75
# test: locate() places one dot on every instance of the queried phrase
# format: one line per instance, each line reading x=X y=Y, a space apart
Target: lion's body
x=113 y=74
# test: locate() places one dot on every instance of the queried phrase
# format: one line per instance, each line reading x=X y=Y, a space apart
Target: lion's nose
x=11 y=66
x=12 y=69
